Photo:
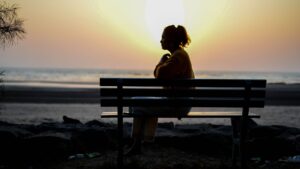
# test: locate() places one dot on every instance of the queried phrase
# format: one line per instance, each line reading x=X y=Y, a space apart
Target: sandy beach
x=32 y=113
x=277 y=94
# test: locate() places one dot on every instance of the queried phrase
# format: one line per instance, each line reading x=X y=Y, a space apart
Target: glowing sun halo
x=159 y=14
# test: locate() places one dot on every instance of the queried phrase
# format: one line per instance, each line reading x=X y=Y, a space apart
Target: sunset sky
x=254 y=35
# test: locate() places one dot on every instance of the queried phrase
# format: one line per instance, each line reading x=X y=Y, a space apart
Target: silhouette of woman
x=173 y=65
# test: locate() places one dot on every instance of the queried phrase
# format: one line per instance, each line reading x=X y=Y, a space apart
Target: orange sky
x=251 y=35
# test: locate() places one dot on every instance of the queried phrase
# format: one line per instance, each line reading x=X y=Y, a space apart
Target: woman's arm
x=163 y=59
x=170 y=68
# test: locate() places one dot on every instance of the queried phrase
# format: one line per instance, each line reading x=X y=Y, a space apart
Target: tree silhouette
x=11 y=29
x=11 y=26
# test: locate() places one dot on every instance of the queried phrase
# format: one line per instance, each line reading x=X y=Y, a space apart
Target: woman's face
x=165 y=43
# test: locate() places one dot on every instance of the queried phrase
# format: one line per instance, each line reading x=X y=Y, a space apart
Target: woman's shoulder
x=180 y=53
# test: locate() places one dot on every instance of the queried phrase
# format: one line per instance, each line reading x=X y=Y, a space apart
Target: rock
x=16 y=131
x=297 y=139
x=265 y=131
x=223 y=129
x=8 y=143
x=68 y=120
x=252 y=124
x=195 y=128
x=96 y=123
x=3 y=123
x=58 y=127
x=29 y=144
x=47 y=147
x=207 y=143
x=291 y=130
x=271 y=147
x=169 y=125
x=273 y=142
x=7 y=135
x=91 y=140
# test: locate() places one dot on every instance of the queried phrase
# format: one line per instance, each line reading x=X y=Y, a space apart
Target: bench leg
x=235 y=140
x=243 y=143
x=120 y=139
x=239 y=136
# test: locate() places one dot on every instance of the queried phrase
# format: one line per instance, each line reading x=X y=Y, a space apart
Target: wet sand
x=276 y=95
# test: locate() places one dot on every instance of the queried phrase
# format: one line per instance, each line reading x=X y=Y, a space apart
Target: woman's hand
x=165 y=57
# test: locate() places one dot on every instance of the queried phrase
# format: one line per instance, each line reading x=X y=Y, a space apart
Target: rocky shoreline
x=72 y=143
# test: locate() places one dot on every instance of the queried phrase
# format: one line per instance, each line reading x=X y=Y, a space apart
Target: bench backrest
x=124 y=92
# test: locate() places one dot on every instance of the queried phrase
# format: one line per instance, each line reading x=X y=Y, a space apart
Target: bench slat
x=209 y=102
x=258 y=93
x=218 y=114
x=182 y=82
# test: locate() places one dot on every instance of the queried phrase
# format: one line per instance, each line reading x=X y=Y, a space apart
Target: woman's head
x=174 y=37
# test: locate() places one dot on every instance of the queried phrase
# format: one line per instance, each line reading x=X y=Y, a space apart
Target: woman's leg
x=137 y=127
x=143 y=129
x=137 y=135
x=149 y=129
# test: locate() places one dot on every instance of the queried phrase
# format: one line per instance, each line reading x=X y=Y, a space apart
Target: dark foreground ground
x=72 y=145
x=167 y=158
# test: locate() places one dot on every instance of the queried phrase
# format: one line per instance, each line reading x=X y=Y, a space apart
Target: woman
x=176 y=65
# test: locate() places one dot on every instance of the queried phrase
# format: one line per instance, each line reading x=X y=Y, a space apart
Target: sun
x=161 y=13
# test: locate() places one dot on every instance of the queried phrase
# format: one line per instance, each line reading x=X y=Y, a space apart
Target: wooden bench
x=226 y=93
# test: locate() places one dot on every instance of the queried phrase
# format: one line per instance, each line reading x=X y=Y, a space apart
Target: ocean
x=89 y=78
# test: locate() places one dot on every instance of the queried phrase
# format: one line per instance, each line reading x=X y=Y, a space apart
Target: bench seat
x=206 y=114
